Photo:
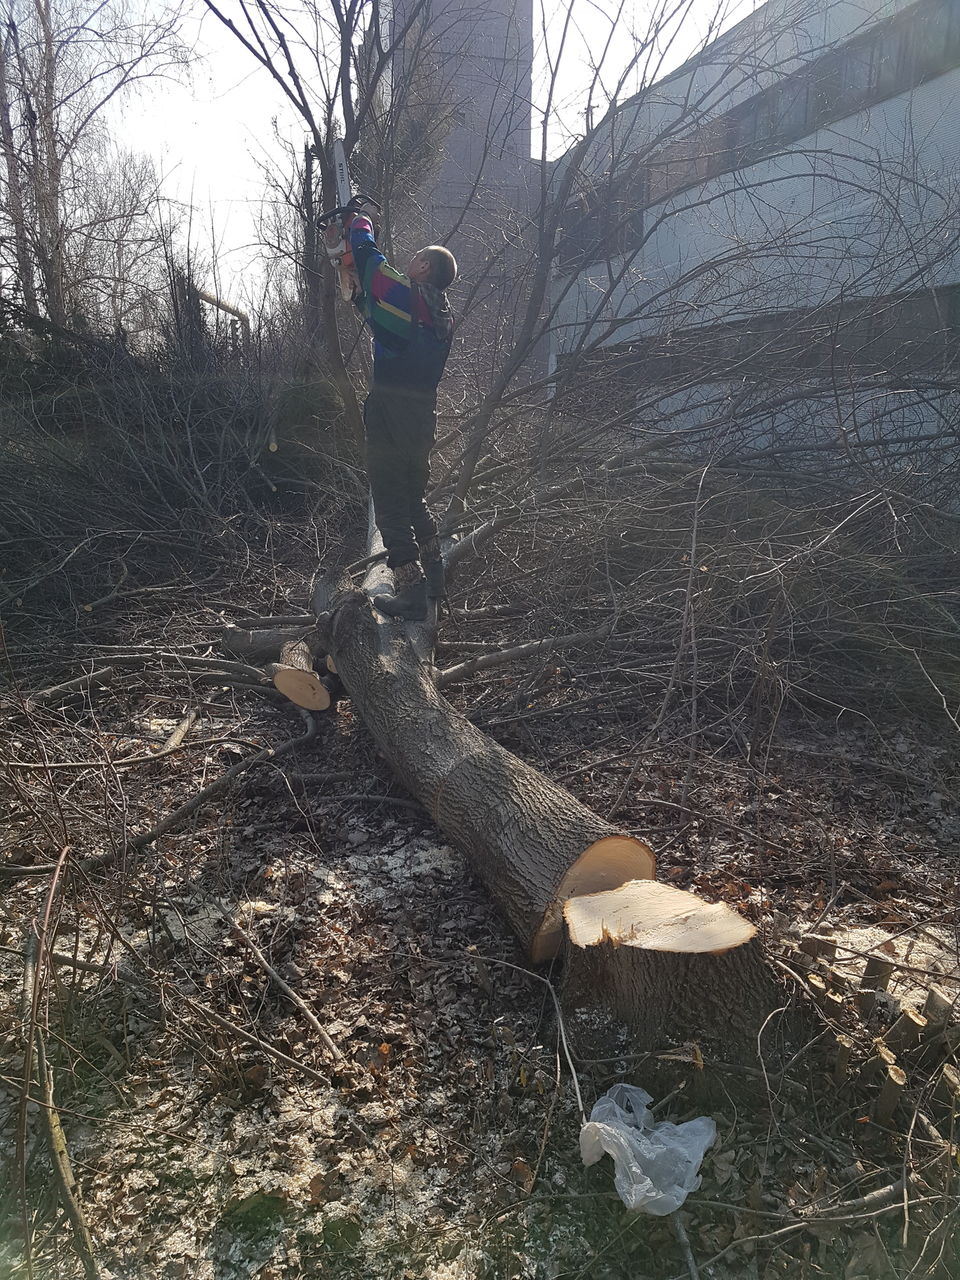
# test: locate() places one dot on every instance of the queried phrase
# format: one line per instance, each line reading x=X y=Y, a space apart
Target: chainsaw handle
x=361 y=199
x=332 y=215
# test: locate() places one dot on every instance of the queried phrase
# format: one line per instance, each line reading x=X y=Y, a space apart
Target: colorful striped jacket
x=404 y=354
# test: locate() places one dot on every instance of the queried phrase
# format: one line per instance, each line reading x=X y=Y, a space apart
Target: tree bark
x=49 y=174
x=15 y=201
x=532 y=843
x=662 y=959
x=666 y=995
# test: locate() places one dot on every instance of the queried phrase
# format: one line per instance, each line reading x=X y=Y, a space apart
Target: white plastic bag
x=655 y=1162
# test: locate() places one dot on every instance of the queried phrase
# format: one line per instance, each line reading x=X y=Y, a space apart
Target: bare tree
x=315 y=55
x=60 y=68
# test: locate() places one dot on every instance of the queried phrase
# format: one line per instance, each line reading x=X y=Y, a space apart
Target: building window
x=936 y=38
x=827 y=85
x=744 y=124
x=793 y=108
x=856 y=74
x=891 y=61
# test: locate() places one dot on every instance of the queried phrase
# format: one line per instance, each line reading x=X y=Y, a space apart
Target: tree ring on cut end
x=651 y=916
x=605 y=864
x=303 y=688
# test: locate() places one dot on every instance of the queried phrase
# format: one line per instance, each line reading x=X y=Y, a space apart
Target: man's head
x=433 y=265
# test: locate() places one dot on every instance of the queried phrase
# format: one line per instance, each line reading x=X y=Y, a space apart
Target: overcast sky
x=210 y=136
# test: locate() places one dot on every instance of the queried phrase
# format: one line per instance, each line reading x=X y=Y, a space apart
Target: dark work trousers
x=401 y=427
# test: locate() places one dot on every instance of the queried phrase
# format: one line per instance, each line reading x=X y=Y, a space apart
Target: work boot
x=436 y=578
x=433 y=568
x=409 y=599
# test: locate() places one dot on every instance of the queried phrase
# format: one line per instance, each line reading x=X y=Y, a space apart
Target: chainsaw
x=334 y=224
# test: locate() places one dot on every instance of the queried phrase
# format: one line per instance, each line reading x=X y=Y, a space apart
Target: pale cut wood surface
x=655 y=917
x=296 y=679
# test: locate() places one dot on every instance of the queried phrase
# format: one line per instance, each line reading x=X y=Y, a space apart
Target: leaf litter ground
x=214 y=1137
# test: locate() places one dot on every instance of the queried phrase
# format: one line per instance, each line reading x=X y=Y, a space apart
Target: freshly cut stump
x=655 y=917
x=671 y=964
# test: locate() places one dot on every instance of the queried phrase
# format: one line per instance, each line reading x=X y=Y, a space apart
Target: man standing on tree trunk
x=412 y=328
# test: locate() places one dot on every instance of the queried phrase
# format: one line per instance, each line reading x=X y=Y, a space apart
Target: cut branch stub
x=296 y=679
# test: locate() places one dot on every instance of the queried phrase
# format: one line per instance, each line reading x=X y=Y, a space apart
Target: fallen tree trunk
x=532 y=843
x=565 y=879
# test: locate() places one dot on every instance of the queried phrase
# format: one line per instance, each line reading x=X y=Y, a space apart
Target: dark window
x=658 y=185
x=684 y=162
x=718 y=152
x=828 y=85
x=574 y=232
x=891 y=61
x=641 y=187
x=936 y=37
x=766 y=126
x=856 y=74
x=629 y=232
x=713 y=155
x=793 y=108
x=601 y=223
x=744 y=122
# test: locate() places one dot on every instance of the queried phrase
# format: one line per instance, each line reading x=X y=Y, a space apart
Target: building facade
x=784 y=207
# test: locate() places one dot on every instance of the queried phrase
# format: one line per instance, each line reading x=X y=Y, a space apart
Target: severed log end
x=303 y=688
x=671 y=965
x=906 y=1031
x=655 y=917
x=295 y=677
x=605 y=864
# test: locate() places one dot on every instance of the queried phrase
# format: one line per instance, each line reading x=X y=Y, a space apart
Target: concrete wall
x=485 y=50
x=865 y=206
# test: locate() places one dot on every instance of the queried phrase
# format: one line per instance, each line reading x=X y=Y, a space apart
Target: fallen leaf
x=319 y=1185
x=256 y=1077
x=522 y=1174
